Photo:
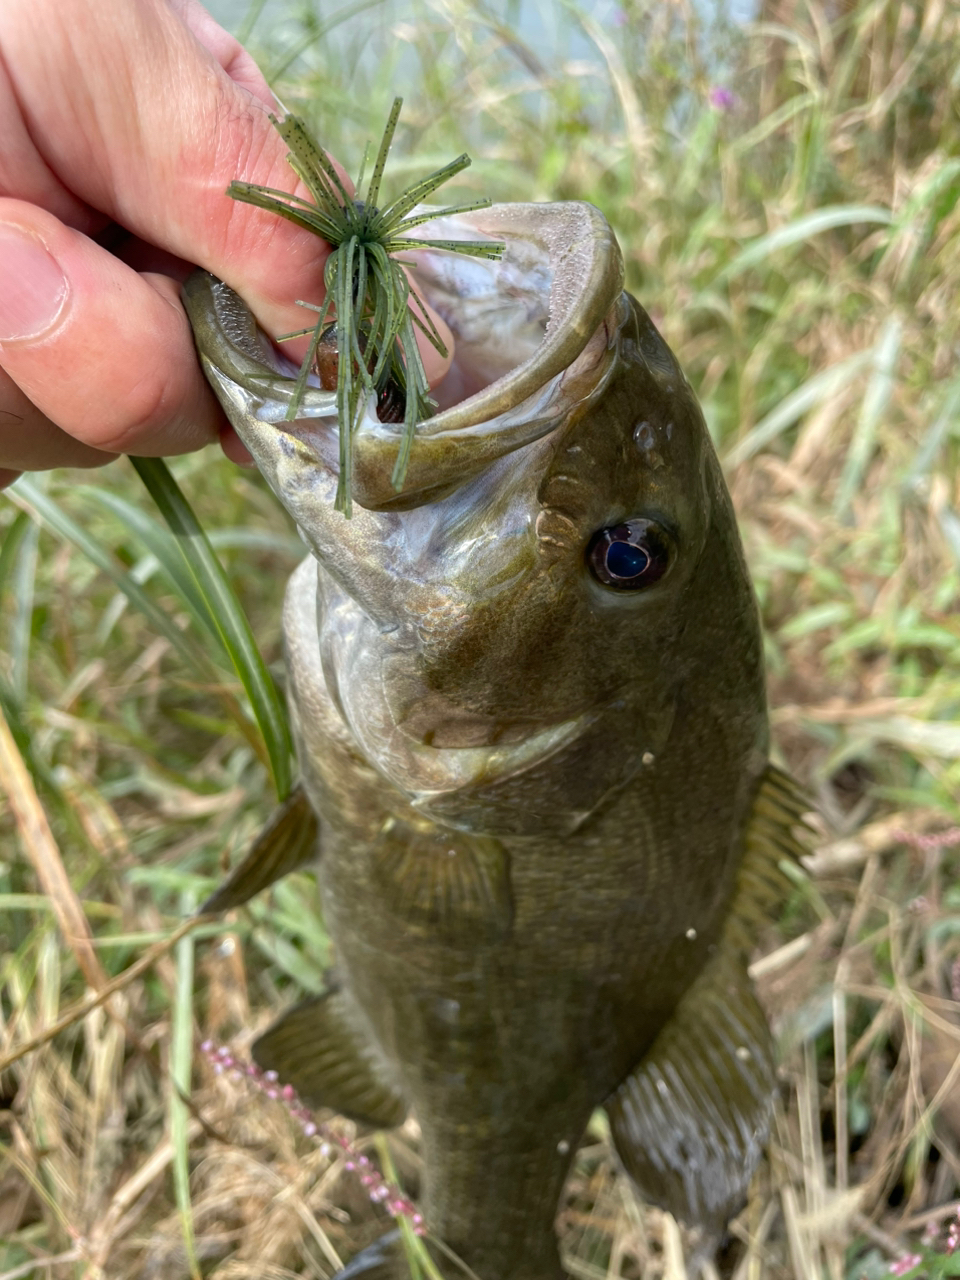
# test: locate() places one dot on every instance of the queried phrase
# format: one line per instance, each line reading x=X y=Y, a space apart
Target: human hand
x=123 y=123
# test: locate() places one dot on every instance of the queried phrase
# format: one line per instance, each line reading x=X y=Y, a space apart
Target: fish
x=528 y=699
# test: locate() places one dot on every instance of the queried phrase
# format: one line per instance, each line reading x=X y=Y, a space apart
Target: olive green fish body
x=512 y=983
x=528 y=699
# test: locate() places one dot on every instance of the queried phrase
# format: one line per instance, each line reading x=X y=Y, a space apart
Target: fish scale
x=548 y=827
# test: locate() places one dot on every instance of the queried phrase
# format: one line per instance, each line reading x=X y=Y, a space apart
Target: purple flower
x=722 y=99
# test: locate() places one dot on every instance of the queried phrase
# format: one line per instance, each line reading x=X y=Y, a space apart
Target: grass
x=800 y=248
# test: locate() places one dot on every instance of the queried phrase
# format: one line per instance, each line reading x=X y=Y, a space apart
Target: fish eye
x=629 y=556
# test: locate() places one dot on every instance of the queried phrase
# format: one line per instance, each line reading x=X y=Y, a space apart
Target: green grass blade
x=317 y=34
x=772 y=122
x=163 y=546
x=19 y=546
x=181 y=1058
x=828 y=382
x=415 y=1252
x=949 y=523
x=226 y=615
x=252 y=16
x=811 y=224
x=875 y=403
x=11 y=545
x=12 y=711
x=21 y=564
x=28 y=495
x=935 y=437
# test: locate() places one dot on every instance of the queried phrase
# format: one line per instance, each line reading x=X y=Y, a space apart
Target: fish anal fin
x=319 y=1049
x=453 y=884
x=287 y=842
x=691 y=1120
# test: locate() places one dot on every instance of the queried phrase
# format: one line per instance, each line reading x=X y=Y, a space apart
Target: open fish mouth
x=531 y=344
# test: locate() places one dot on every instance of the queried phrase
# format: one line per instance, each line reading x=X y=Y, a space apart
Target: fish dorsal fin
x=449 y=883
x=774 y=835
x=286 y=843
x=691 y=1120
x=322 y=1051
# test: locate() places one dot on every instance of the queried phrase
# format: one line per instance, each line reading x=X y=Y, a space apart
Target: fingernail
x=32 y=286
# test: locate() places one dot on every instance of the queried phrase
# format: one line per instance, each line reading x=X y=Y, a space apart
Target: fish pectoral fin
x=287 y=842
x=448 y=883
x=691 y=1121
x=319 y=1049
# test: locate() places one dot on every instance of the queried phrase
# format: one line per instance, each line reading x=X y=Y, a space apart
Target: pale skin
x=123 y=122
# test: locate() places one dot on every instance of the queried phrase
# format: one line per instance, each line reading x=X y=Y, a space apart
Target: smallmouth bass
x=528 y=699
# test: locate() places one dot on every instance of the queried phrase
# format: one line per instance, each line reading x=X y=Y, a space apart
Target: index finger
x=154 y=143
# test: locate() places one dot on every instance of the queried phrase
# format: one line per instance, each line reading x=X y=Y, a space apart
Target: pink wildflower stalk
x=935 y=840
x=267 y=1083
x=905 y=1264
x=953 y=1235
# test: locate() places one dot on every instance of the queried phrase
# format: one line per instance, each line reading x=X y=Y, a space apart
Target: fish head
x=513 y=635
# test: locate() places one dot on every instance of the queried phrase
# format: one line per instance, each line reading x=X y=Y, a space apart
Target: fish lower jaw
x=426 y=774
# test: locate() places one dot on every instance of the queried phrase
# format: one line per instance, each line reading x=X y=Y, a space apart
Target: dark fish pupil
x=625 y=560
x=631 y=555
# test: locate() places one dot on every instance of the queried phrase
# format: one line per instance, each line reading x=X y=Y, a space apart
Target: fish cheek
x=509 y=653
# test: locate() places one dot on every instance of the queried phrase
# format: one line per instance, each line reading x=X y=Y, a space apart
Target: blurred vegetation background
x=786 y=192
